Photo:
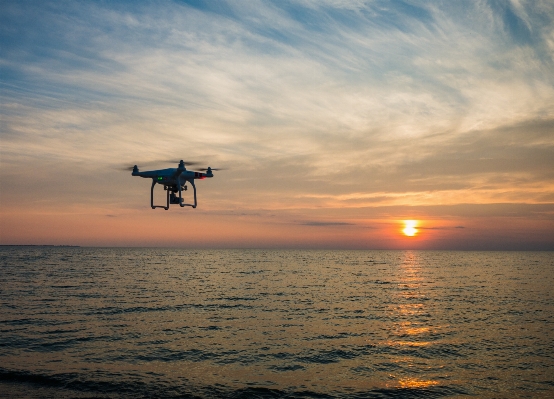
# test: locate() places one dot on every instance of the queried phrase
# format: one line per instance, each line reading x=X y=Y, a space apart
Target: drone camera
x=173 y=199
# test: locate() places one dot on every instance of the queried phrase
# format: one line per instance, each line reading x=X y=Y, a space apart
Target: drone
x=174 y=181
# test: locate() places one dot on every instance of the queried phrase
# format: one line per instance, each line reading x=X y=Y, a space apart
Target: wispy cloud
x=311 y=104
x=321 y=223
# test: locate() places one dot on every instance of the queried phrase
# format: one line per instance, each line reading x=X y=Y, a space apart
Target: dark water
x=89 y=322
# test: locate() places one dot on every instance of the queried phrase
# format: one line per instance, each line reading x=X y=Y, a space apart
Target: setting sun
x=410 y=228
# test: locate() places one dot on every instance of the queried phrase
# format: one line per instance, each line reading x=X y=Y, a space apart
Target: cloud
x=320 y=223
x=311 y=105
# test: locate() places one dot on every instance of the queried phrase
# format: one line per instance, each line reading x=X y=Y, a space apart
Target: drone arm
x=148 y=174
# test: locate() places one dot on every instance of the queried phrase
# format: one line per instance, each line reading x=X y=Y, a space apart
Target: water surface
x=94 y=322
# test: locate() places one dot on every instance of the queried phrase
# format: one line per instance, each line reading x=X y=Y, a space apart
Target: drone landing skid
x=174 y=199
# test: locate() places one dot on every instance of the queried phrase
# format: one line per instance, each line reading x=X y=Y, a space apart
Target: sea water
x=116 y=323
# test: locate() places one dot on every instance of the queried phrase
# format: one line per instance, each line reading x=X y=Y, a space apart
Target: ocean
x=181 y=323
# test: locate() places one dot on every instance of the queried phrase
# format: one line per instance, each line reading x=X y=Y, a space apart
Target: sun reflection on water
x=407 y=343
x=412 y=328
x=416 y=383
x=416 y=330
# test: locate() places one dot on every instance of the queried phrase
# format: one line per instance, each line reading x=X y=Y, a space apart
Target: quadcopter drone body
x=174 y=181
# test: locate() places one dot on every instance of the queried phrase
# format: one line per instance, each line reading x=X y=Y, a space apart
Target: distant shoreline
x=283 y=249
x=38 y=245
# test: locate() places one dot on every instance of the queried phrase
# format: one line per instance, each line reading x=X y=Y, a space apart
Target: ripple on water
x=179 y=323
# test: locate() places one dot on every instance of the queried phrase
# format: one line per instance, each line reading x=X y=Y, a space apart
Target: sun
x=410 y=228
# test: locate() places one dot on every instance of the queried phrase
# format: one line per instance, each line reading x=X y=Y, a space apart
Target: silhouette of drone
x=174 y=181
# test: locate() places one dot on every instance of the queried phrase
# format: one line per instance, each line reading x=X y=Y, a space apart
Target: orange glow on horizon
x=410 y=228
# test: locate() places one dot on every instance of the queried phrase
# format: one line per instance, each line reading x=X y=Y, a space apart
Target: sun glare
x=410 y=228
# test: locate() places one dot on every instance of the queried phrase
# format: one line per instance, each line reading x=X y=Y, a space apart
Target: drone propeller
x=205 y=169
x=186 y=163
x=158 y=162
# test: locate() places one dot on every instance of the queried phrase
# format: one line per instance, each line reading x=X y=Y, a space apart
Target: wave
x=71 y=385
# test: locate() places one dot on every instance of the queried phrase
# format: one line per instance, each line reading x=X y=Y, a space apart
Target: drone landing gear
x=152 y=197
x=171 y=198
x=185 y=187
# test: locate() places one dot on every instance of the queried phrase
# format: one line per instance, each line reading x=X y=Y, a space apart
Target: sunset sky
x=336 y=121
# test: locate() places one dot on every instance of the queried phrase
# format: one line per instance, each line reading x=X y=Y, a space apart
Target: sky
x=335 y=122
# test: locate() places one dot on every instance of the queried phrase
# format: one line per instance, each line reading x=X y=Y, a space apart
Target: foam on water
x=90 y=322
